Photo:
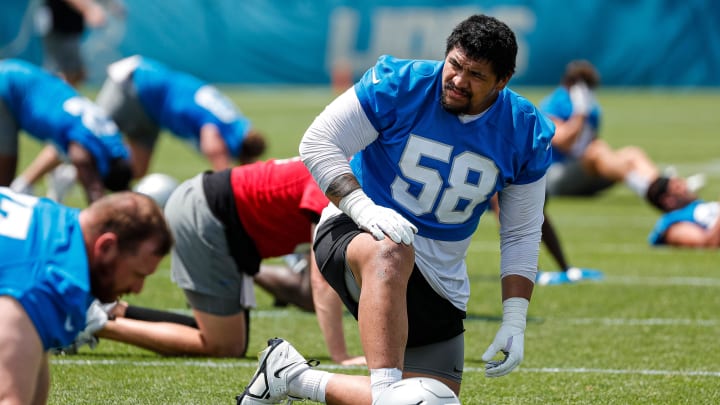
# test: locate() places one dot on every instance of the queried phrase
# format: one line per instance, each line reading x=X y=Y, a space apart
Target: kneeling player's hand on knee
x=378 y=220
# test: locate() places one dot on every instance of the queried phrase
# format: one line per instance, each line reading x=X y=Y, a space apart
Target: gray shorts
x=9 y=132
x=62 y=53
x=443 y=359
x=201 y=263
x=121 y=103
x=569 y=178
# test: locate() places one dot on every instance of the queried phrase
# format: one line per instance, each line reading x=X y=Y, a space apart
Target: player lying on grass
x=687 y=220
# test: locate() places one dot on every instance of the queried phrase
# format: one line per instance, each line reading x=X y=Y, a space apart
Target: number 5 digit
x=471 y=181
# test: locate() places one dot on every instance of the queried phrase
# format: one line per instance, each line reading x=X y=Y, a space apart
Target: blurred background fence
x=632 y=42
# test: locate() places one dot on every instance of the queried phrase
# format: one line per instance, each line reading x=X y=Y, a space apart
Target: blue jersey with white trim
x=44 y=265
x=557 y=104
x=428 y=165
x=703 y=214
x=50 y=110
x=183 y=103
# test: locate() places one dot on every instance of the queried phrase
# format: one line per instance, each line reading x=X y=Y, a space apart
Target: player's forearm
x=341 y=187
x=328 y=309
x=169 y=339
x=87 y=172
x=214 y=148
x=567 y=132
x=516 y=286
x=521 y=218
x=46 y=160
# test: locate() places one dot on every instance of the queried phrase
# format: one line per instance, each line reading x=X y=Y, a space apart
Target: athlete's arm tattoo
x=341 y=186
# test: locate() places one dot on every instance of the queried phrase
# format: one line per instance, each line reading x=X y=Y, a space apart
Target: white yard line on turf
x=253 y=364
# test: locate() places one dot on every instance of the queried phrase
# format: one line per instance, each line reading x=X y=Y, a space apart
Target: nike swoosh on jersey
x=375 y=80
x=68 y=324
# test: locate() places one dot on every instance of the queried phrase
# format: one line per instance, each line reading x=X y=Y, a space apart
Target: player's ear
x=106 y=247
x=502 y=83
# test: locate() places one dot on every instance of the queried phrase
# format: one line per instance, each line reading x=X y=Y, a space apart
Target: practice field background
x=647 y=334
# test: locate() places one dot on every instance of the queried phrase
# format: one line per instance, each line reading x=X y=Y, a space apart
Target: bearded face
x=102 y=282
x=114 y=273
x=468 y=86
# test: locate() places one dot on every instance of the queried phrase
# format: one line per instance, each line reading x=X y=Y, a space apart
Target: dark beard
x=101 y=283
x=455 y=110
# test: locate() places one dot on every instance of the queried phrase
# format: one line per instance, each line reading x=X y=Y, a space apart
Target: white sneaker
x=279 y=363
x=60 y=181
x=297 y=262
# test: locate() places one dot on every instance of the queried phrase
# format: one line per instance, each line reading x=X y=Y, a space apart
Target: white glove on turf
x=376 y=219
x=510 y=339
x=581 y=98
x=95 y=319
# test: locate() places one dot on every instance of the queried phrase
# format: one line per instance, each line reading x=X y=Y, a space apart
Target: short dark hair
x=656 y=191
x=119 y=176
x=134 y=218
x=580 y=71
x=253 y=145
x=483 y=37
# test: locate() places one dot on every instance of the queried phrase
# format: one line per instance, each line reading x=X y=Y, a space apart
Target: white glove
x=510 y=339
x=376 y=219
x=581 y=98
x=95 y=319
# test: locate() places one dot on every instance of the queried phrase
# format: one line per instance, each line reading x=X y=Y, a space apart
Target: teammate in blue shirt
x=434 y=140
x=144 y=96
x=583 y=163
x=687 y=221
x=54 y=261
x=50 y=110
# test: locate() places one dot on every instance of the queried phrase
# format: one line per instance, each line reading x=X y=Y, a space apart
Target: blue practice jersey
x=44 y=265
x=182 y=104
x=431 y=167
x=558 y=105
x=50 y=110
x=700 y=213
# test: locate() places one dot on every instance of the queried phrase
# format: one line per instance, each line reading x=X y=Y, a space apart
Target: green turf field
x=647 y=334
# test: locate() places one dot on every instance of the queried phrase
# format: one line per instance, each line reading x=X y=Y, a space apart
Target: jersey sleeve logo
x=375 y=80
x=68 y=324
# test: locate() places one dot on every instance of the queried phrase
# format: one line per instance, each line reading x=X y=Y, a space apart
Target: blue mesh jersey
x=44 y=265
x=182 y=104
x=431 y=167
x=557 y=104
x=701 y=213
x=50 y=110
